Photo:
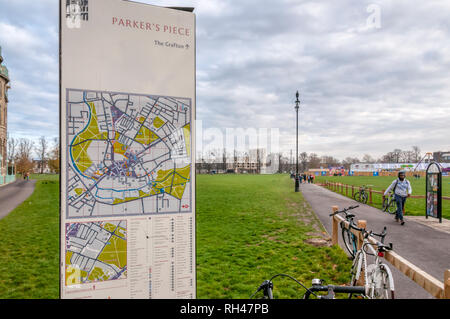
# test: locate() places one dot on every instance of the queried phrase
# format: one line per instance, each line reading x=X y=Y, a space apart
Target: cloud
x=362 y=89
x=29 y=40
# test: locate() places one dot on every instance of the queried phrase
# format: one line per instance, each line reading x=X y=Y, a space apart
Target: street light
x=297 y=182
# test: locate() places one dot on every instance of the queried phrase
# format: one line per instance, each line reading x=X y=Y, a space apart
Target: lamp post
x=297 y=182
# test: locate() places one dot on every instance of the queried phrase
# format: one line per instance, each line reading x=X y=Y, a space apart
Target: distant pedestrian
x=402 y=190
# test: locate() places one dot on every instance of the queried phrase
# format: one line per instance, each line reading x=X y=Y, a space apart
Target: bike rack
x=436 y=288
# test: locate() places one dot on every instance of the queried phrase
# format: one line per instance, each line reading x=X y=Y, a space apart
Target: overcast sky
x=372 y=75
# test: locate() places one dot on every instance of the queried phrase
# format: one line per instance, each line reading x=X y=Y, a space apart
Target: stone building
x=4 y=86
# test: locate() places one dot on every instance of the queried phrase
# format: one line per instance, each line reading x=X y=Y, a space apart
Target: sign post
x=434 y=191
x=127 y=122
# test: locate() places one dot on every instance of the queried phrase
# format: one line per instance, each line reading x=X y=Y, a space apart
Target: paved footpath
x=424 y=246
x=12 y=195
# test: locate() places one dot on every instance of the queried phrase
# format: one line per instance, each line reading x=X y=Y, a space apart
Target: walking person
x=402 y=190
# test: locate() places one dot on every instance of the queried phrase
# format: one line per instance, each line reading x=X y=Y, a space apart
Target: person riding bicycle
x=402 y=189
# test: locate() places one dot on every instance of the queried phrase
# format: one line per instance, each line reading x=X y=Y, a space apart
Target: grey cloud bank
x=362 y=89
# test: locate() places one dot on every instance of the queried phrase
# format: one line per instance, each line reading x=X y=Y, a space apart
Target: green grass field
x=248 y=229
x=29 y=249
x=251 y=227
x=414 y=206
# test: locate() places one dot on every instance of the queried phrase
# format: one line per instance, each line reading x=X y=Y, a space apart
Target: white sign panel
x=127 y=160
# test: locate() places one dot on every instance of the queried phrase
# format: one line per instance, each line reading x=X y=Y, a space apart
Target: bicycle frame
x=352 y=246
x=350 y=236
x=389 y=204
x=372 y=270
x=362 y=195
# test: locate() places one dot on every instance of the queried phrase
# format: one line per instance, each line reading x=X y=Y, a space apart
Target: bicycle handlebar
x=382 y=235
x=352 y=225
x=344 y=210
x=380 y=244
x=267 y=286
x=333 y=289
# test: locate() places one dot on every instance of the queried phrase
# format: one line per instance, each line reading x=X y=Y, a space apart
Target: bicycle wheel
x=380 y=282
x=392 y=207
x=357 y=196
x=364 y=198
x=357 y=268
x=385 y=204
x=349 y=241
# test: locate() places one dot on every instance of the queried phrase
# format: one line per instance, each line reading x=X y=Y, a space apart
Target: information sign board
x=127 y=111
x=434 y=191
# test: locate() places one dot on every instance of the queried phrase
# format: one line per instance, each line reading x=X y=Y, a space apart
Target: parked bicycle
x=350 y=240
x=389 y=204
x=362 y=195
x=377 y=276
x=317 y=286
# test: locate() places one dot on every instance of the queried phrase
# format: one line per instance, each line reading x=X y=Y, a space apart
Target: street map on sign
x=128 y=154
x=95 y=252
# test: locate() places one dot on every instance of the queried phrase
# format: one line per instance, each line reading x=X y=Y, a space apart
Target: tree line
x=312 y=160
x=23 y=151
x=221 y=160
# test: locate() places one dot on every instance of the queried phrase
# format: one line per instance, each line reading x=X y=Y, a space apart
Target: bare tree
x=388 y=158
x=25 y=148
x=348 y=161
x=224 y=160
x=54 y=157
x=303 y=159
x=24 y=163
x=330 y=161
x=368 y=159
x=313 y=160
x=42 y=149
x=407 y=156
x=258 y=161
x=417 y=153
x=12 y=148
x=397 y=155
